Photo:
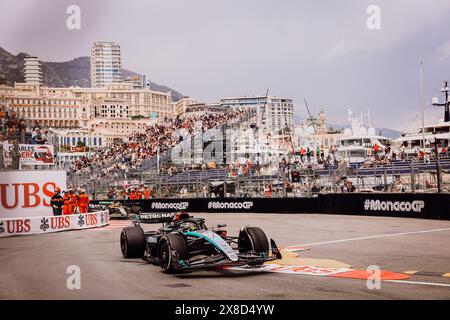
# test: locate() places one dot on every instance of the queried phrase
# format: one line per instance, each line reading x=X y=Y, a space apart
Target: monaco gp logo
x=398 y=206
x=170 y=205
x=230 y=205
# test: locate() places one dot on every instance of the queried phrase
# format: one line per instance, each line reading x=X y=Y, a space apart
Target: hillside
x=75 y=72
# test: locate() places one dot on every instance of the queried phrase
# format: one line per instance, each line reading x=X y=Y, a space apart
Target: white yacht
x=428 y=135
x=359 y=141
x=415 y=141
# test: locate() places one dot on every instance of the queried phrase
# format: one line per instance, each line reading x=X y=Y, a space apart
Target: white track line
x=419 y=282
x=372 y=237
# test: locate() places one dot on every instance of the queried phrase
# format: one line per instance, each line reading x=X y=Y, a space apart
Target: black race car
x=185 y=243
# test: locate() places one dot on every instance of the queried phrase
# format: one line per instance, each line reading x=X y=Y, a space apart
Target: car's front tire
x=132 y=242
x=172 y=242
x=253 y=239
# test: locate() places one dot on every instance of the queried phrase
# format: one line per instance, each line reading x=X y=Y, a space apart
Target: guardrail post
x=1 y=157
x=334 y=181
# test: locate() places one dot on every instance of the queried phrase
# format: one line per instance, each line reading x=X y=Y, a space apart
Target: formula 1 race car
x=116 y=209
x=185 y=243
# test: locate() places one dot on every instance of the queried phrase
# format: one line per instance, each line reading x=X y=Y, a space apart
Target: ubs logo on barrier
x=170 y=205
x=399 y=206
x=16 y=226
x=230 y=205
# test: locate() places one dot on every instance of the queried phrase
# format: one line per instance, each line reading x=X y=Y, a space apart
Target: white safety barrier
x=47 y=224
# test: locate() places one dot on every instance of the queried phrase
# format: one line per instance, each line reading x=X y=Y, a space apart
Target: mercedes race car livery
x=185 y=243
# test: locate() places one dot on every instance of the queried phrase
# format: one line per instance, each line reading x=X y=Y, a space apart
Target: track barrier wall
x=48 y=224
x=427 y=206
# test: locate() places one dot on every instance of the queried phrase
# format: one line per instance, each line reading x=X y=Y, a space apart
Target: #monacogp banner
x=30 y=154
x=47 y=224
x=25 y=194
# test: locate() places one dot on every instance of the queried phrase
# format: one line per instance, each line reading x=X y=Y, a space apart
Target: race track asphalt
x=34 y=267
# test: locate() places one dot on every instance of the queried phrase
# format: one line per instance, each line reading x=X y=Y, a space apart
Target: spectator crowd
x=15 y=128
x=159 y=137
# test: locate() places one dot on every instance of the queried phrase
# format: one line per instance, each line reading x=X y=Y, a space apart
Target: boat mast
x=446 y=103
x=421 y=102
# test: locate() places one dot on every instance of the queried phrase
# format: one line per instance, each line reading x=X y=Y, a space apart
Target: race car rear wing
x=153 y=217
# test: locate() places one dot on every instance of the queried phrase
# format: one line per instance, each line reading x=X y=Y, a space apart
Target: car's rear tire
x=169 y=242
x=253 y=239
x=132 y=242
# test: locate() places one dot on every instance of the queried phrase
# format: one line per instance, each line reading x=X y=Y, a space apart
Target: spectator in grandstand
x=426 y=158
x=111 y=194
x=134 y=194
x=38 y=137
x=376 y=149
x=147 y=193
x=184 y=192
x=308 y=154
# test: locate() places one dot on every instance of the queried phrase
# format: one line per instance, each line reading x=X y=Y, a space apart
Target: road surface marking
x=419 y=282
x=428 y=273
x=411 y=272
x=376 y=236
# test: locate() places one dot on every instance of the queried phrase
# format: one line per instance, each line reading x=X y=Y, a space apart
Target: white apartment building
x=138 y=82
x=272 y=113
x=273 y=119
x=106 y=64
x=32 y=70
x=181 y=105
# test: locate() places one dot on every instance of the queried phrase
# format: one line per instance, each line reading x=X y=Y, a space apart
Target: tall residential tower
x=32 y=70
x=106 y=64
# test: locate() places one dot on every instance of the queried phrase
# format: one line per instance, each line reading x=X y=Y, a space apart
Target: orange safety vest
x=134 y=196
x=73 y=203
x=147 y=194
x=83 y=202
x=73 y=199
x=66 y=203
x=83 y=199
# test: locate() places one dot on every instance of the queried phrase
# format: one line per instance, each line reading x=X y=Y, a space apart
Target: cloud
x=341 y=48
x=444 y=52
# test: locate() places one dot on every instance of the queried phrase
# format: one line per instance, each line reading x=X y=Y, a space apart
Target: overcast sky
x=207 y=49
